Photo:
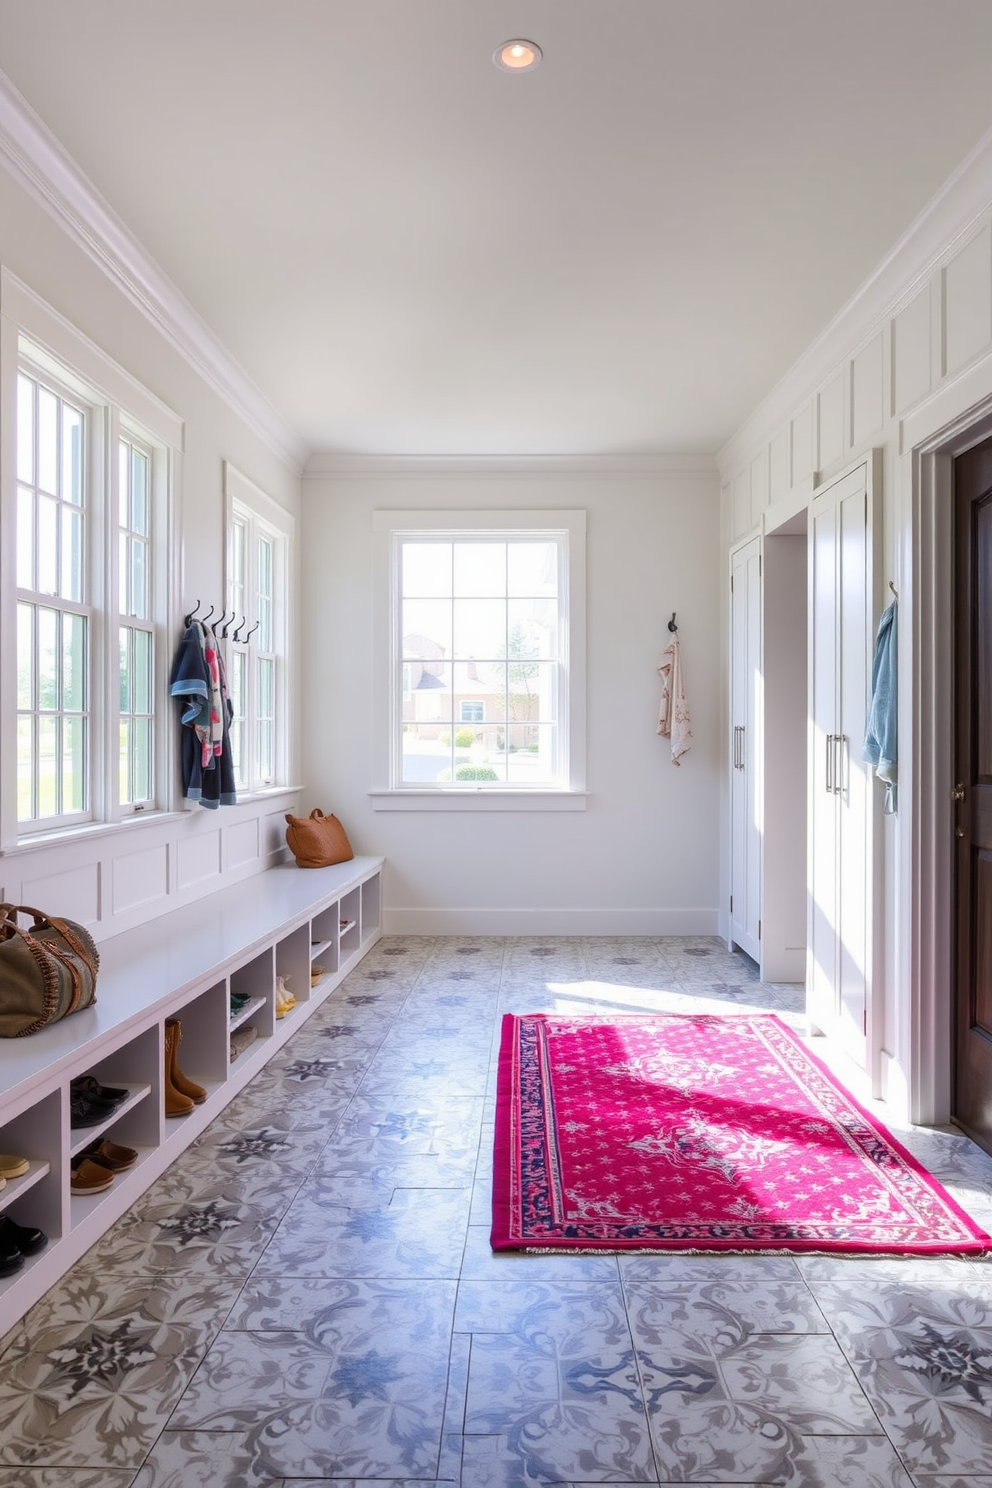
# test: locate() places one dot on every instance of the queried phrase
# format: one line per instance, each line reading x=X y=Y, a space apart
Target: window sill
x=479 y=799
x=58 y=836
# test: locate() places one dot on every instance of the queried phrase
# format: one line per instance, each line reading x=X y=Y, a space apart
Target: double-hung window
x=481 y=656
x=258 y=554
x=55 y=614
x=85 y=527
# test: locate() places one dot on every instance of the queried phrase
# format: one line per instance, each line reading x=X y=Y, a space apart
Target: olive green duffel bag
x=46 y=972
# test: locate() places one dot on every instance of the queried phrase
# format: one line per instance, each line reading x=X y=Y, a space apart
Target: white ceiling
x=410 y=251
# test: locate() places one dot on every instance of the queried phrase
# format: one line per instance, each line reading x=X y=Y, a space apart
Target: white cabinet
x=840 y=874
x=745 y=751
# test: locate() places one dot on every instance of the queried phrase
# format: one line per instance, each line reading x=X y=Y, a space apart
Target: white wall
x=642 y=858
x=906 y=368
x=129 y=874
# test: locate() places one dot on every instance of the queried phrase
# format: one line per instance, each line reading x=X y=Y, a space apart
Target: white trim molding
x=693 y=467
x=43 y=167
x=945 y=224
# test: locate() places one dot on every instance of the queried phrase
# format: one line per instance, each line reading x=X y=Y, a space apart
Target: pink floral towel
x=673 y=719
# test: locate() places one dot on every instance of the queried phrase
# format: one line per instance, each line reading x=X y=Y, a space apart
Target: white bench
x=184 y=965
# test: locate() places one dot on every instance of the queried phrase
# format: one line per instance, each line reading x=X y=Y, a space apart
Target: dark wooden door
x=973 y=792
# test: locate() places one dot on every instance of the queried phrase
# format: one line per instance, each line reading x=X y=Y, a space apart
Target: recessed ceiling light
x=518 y=55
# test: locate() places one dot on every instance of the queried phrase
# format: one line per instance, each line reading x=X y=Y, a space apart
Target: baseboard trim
x=528 y=922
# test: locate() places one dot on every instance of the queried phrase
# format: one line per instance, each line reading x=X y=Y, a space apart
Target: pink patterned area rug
x=699 y=1133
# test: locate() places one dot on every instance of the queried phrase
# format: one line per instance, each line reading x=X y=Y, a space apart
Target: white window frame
x=247 y=503
x=390 y=529
x=34 y=335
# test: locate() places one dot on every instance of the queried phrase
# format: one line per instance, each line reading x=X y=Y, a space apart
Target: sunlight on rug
x=699 y=1133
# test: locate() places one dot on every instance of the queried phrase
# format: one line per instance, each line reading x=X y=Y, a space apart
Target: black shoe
x=86 y=1110
x=11 y=1255
x=24 y=1238
x=90 y=1085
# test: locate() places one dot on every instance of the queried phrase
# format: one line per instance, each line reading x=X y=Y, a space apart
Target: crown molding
x=331 y=466
x=945 y=224
x=43 y=167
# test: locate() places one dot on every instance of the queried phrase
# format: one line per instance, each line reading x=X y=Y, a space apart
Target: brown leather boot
x=181 y=1082
x=176 y=1104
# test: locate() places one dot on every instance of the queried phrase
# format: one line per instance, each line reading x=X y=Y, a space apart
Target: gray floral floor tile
x=728 y=1269
x=65 y=1477
x=357 y=1392
x=955 y=1481
x=363 y=1333
x=553 y=1384
x=920 y=1339
x=297 y=1304
x=214 y=1233
x=202 y=1459
x=481 y=1264
x=419 y=1233
x=529 y=1307
x=849 y=1462
x=725 y=1313
x=99 y=1366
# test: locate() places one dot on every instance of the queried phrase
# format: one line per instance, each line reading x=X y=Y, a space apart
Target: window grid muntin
x=52 y=547
x=135 y=627
x=256 y=592
x=545 y=725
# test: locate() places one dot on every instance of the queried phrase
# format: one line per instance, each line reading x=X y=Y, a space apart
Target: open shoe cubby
x=183 y=967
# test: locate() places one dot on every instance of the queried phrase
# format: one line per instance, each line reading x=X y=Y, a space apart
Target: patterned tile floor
x=308 y=1295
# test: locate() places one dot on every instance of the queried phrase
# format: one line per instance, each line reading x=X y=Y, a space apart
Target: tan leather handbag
x=46 y=972
x=317 y=841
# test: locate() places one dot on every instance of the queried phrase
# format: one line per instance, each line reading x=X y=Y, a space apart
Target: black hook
x=672 y=626
x=241 y=623
x=206 y=617
x=252 y=631
x=189 y=618
x=225 y=622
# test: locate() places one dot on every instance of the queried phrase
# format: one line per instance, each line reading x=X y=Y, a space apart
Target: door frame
x=930 y=440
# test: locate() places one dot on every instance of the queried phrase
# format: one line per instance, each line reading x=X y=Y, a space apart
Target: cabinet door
x=840 y=880
x=822 y=927
x=853 y=792
x=745 y=727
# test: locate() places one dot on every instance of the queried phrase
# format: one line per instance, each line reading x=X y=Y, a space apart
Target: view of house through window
x=481 y=655
x=53 y=616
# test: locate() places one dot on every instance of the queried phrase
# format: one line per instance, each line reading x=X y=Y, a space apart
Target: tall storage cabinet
x=840 y=877
x=745 y=726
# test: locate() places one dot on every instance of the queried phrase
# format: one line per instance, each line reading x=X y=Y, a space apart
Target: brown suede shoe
x=89 y=1178
x=110 y=1155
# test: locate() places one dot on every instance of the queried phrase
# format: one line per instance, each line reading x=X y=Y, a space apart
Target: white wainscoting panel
x=867 y=398
x=74 y=894
x=911 y=379
x=242 y=843
x=830 y=423
x=198 y=861
x=779 y=484
x=274 y=839
x=802 y=444
x=759 y=486
x=968 y=302
x=742 y=503
x=118 y=877
x=140 y=878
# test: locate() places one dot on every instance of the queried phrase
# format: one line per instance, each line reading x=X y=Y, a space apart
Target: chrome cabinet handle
x=830 y=764
x=840 y=741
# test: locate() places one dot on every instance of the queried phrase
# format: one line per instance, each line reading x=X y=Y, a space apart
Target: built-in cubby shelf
x=112 y=1125
x=179 y=970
